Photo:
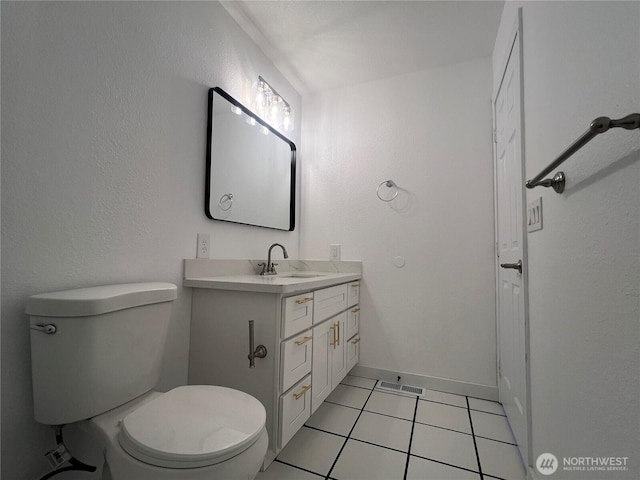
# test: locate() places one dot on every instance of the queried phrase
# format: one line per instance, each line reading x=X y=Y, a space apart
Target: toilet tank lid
x=84 y=302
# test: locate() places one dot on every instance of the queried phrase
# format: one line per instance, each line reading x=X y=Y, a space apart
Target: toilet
x=96 y=354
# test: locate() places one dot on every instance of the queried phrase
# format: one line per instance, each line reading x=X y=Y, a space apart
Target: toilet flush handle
x=49 y=328
x=260 y=351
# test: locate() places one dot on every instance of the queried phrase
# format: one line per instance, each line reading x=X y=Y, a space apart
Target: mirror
x=251 y=167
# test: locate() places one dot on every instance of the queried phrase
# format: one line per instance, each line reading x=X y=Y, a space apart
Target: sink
x=300 y=275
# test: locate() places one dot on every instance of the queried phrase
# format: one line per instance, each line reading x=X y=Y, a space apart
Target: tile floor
x=361 y=433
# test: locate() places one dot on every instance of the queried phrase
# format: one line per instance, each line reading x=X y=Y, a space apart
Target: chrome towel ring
x=388 y=184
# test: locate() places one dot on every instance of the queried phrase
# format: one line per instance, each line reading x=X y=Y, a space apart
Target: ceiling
x=320 y=45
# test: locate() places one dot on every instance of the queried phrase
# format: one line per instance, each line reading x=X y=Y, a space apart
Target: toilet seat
x=192 y=426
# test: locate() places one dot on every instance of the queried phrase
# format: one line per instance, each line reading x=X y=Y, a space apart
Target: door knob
x=515 y=266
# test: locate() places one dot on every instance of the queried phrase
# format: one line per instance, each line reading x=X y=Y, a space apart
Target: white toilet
x=96 y=355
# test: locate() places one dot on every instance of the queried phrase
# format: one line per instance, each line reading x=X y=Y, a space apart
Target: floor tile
x=384 y=431
x=363 y=461
x=334 y=418
x=312 y=450
x=442 y=397
x=491 y=426
x=485 y=406
x=349 y=396
x=421 y=469
x=280 y=471
x=445 y=446
x=500 y=459
x=442 y=415
x=390 y=404
x=359 y=381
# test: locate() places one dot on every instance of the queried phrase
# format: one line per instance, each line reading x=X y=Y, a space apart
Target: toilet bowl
x=112 y=339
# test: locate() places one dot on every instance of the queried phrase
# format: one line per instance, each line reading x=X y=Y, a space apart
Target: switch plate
x=334 y=252
x=203 y=245
x=534 y=215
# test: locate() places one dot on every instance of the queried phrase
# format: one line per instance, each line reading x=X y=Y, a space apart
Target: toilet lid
x=193 y=426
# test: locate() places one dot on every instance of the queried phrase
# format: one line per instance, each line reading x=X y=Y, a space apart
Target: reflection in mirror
x=251 y=168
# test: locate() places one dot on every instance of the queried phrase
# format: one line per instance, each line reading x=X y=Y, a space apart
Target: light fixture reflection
x=272 y=107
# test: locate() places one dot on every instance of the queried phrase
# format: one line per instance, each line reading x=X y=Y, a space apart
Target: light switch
x=534 y=215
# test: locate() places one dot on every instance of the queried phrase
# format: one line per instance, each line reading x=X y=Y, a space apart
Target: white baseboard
x=432 y=383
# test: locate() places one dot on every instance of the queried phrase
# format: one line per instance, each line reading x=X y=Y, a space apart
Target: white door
x=512 y=318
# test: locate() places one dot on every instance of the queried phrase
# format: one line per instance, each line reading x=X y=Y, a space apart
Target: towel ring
x=226 y=200
x=389 y=184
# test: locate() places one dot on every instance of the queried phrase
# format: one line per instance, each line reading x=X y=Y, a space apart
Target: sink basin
x=300 y=275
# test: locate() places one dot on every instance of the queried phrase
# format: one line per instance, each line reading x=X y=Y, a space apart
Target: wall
x=581 y=61
x=430 y=132
x=103 y=158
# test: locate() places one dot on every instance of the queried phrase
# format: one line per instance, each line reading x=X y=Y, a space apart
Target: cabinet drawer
x=353 y=321
x=353 y=352
x=295 y=409
x=329 y=301
x=296 y=359
x=353 y=295
x=298 y=314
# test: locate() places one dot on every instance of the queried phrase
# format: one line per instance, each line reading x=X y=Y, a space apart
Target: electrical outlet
x=334 y=252
x=203 y=245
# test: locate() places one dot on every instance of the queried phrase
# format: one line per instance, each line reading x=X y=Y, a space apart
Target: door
x=511 y=251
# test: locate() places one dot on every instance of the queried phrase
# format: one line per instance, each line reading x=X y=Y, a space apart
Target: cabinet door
x=295 y=409
x=353 y=321
x=321 y=369
x=353 y=352
x=296 y=359
x=339 y=350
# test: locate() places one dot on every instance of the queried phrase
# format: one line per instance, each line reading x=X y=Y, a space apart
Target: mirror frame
x=246 y=111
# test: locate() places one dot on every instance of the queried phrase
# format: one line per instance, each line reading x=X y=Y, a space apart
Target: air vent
x=399 y=388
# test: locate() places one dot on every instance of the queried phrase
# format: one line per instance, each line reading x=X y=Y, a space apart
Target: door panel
x=511 y=242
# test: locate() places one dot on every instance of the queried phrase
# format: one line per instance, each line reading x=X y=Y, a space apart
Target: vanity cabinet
x=308 y=336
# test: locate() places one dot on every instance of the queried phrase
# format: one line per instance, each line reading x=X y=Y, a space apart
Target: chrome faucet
x=269 y=268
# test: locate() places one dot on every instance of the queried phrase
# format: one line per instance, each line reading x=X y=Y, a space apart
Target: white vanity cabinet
x=307 y=336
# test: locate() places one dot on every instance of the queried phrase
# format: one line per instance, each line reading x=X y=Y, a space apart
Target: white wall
x=430 y=132
x=104 y=109
x=581 y=61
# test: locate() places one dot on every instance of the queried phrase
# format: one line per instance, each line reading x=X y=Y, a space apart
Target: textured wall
x=103 y=155
x=581 y=61
x=430 y=132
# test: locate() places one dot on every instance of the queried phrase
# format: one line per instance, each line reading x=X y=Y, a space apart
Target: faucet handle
x=264 y=268
x=273 y=268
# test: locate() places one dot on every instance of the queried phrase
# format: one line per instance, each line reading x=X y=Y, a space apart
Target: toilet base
x=95 y=442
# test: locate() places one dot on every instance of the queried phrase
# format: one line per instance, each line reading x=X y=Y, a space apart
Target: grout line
x=356 y=386
x=298 y=468
x=490 y=413
x=324 y=431
x=413 y=424
x=441 y=403
x=327 y=477
x=376 y=445
x=444 y=428
x=444 y=463
x=496 y=440
x=475 y=445
x=343 y=405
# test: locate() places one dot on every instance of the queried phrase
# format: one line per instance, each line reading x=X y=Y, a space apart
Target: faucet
x=269 y=268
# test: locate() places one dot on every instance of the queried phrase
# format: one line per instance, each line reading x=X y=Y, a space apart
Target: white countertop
x=285 y=283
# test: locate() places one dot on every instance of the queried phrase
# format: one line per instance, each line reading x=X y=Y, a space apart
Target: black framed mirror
x=251 y=167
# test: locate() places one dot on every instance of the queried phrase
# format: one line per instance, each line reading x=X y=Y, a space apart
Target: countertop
x=284 y=283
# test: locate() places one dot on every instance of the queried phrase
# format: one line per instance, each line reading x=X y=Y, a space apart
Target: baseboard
x=432 y=383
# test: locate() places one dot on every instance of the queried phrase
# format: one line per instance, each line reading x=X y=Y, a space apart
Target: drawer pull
x=301 y=394
x=303 y=341
x=333 y=329
x=355 y=310
x=300 y=301
x=355 y=284
x=355 y=340
x=338 y=327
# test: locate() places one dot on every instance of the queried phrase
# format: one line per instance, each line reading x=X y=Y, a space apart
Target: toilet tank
x=93 y=349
